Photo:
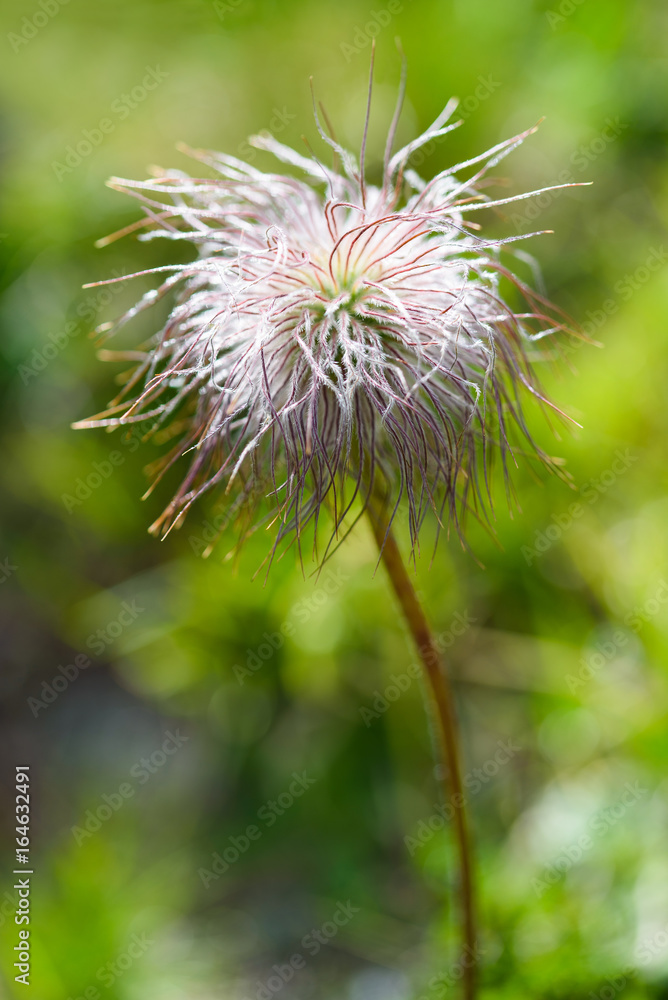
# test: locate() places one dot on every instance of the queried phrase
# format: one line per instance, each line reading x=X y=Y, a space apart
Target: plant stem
x=443 y=701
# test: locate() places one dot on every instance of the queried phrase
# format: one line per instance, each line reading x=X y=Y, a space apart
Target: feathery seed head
x=334 y=340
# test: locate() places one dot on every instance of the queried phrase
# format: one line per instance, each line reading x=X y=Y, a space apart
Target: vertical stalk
x=443 y=702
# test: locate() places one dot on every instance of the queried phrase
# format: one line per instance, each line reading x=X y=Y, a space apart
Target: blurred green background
x=566 y=651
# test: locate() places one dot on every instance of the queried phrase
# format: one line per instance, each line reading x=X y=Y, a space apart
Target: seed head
x=334 y=340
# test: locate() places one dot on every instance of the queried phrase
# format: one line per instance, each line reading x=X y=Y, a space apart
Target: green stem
x=443 y=702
